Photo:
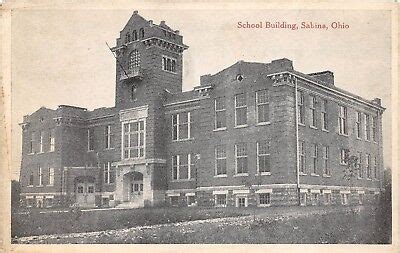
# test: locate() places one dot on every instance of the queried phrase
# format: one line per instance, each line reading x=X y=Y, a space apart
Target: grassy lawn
x=271 y=225
x=36 y=223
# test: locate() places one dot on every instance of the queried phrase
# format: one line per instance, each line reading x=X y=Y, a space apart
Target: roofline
x=363 y=101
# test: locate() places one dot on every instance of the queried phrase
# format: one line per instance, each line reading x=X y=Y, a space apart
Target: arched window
x=141 y=33
x=127 y=38
x=134 y=59
x=134 y=35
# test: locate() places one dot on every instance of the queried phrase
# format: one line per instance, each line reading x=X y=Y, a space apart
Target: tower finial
x=135 y=12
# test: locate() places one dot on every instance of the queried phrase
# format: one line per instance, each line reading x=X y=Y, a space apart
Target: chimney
x=205 y=79
x=281 y=64
x=162 y=23
x=377 y=101
x=324 y=76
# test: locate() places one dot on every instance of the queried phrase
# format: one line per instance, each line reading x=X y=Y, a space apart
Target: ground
x=206 y=225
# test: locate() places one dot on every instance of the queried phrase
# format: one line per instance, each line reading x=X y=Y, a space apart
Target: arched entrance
x=133 y=188
x=85 y=191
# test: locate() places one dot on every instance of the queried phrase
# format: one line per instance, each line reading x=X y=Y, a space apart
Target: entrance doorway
x=85 y=192
x=133 y=187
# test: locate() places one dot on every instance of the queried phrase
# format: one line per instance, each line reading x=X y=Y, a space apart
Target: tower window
x=141 y=33
x=169 y=64
x=133 y=93
x=239 y=78
x=134 y=35
x=134 y=59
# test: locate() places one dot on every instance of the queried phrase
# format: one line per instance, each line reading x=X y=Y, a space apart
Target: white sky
x=60 y=56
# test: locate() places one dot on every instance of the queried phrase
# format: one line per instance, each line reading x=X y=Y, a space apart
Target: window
x=343 y=120
x=134 y=35
x=241 y=201
x=108 y=137
x=324 y=115
x=108 y=173
x=40 y=176
x=220 y=199
x=127 y=38
x=313 y=115
x=181 y=126
x=314 y=198
x=358 y=125
x=220 y=160
x=263 y=157
x=141 y=33
x=343 y=156
x=134 y=139
x=80 y=189
x=220 y=113
x=374 y=128
x=262 y=106
x=90 y=189
x=90 y=140
x=169 y=64
x=300 y=107
x=182 y=167
x=264 y=199
x=32 y=143
x=303 y=198
x=360 y=168
x=51 y=176
x=367 y=127
x=240 y=110
x=241 y=158
x=375 y=167
x=302 y=157
x=368 y=165
x=174 y=200
x=41 y=136
x=191 y=200
x=30 y=183
x=134 y=60
x=314 y=165
x=52 y=139
x=327 y=198
x=133 y=92
x=345 y=199
x=360 y=198
x=325 y=157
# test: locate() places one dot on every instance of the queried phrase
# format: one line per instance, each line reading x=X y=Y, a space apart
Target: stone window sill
x=264 y=123
x=314 y=175
x=223 y=175
x=241 y=175
x=313 y=127
x=240 y=126
x=219 y=129
x=302 y=174
x=263 y=174
x=325 y=175
x=180 y=140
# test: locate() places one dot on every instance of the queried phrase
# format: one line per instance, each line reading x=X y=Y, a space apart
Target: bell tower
x=149 y=62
